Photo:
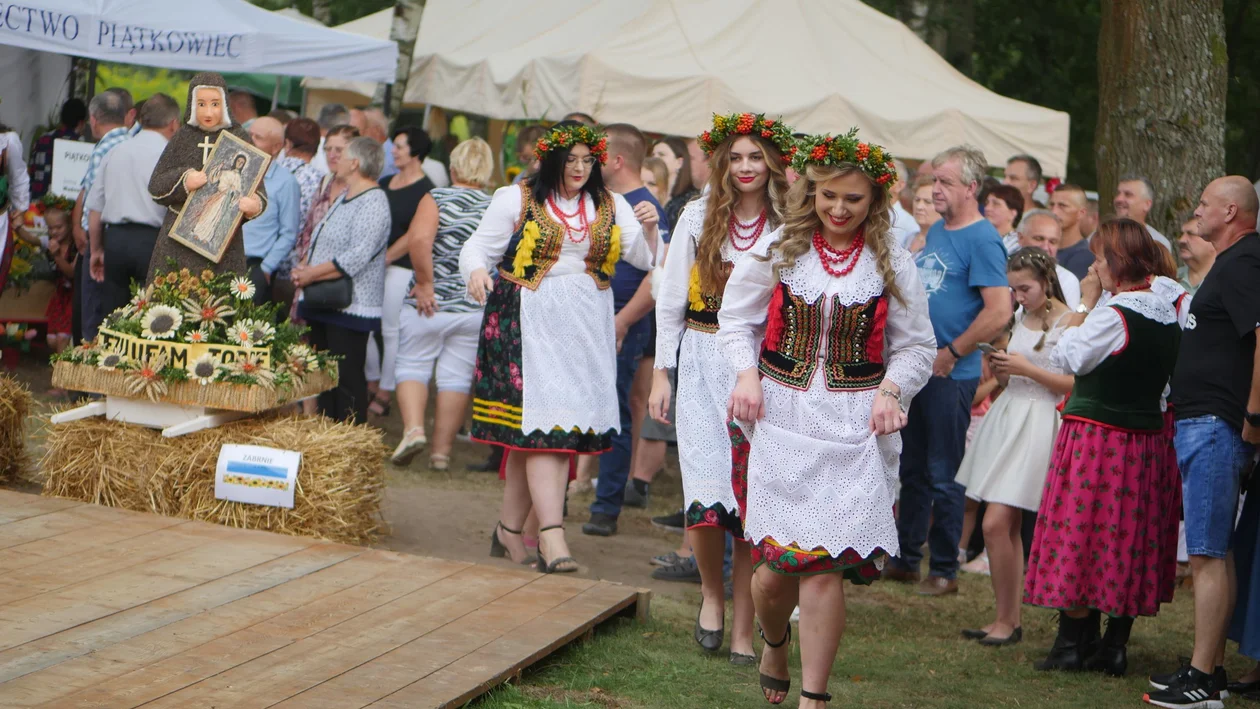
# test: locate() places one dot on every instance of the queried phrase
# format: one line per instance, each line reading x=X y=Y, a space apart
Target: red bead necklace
x=750 y=231
x=833 y=260
x=583 y=229
x=1145 y=284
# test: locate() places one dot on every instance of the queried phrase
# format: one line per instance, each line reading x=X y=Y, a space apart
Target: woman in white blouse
x=743 y=205
x=546 y=360
x=847 y=343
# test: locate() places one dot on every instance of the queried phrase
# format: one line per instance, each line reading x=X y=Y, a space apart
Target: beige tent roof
x=667 y=65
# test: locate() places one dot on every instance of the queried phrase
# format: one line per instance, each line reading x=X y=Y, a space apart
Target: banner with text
x=180 y=354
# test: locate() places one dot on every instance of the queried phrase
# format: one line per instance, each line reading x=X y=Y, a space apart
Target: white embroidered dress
x=705 y=379
x=818 y=478
x=568 y=339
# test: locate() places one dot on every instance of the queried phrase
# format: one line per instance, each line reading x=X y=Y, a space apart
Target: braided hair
x=1042 y=266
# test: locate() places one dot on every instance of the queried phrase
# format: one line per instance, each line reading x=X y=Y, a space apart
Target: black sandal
x=823 y=697
x=774 y=684
x=553 y=566
x=497 y=549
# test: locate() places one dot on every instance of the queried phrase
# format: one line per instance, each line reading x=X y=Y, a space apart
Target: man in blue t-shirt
x=632 y=300
x=963 y=268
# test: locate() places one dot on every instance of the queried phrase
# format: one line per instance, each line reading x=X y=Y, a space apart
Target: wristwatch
x=1082 y=308
x=1253 y=419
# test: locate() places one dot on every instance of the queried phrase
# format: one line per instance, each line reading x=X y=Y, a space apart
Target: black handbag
x=332 y=294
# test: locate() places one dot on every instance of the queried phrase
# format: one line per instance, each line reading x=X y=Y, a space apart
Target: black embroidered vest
x=535 y=245
x=855 y=341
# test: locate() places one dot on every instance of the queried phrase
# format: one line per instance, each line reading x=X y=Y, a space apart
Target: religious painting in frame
x=210 y=216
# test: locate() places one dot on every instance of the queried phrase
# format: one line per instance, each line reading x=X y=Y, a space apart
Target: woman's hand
x=748 y=400
x=658 y=400
x=249 y=205
x=647 y=216
x=887 y=416
x=479 y=285
x=194 y=180
x=426 y=301
x=1010 y=363
x=301 y=276
x=1091 y=288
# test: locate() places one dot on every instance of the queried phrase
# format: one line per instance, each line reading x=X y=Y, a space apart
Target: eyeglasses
x=573 y=160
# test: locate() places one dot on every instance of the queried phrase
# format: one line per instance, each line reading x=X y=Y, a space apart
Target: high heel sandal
x=497 y=548
x=823 y=697
x=774 y=684
x=553 y=566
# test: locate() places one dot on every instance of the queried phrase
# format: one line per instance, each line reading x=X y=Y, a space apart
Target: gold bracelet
x=896 y=395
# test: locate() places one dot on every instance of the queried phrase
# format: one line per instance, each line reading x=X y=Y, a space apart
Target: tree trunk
x=403 y=31
x=1162 y=68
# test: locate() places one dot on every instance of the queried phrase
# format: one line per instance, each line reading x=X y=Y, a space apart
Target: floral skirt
x=1106 y=536
x=794 y=561
x=716 y=515
x=503 y=380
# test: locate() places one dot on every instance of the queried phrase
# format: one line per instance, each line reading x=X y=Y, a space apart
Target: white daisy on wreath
x=161 y=322
x=111 y=360
x=240 y=334
x=210 y=310
x=250 y=365
x=204 y=369
x=242 y=288
x=138 y=303
x=196 y=337
x=260 y=331
x=146 y=379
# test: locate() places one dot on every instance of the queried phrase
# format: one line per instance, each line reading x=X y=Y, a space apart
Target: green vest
x=1124 y=391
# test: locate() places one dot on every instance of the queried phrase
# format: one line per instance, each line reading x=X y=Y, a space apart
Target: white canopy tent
x=667 y=65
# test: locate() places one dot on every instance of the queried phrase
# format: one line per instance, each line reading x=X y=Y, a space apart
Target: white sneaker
x=412 y=443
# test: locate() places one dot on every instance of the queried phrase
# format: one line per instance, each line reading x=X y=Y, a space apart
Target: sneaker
x=1196 y=690
x=676 y=522
x=1171 y=679
x=412 y=443
x=978 y=565
x=634 y=497
x=669 y=559
x=601 y=525
x=684 y=571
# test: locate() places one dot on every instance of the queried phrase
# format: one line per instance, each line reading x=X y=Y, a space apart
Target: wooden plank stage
x=101 y=607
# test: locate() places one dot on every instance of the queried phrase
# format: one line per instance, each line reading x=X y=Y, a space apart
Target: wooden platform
x=101 y=607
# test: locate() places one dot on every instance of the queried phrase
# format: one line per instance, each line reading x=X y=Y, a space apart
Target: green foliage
x=144 y=81
x=340 y=11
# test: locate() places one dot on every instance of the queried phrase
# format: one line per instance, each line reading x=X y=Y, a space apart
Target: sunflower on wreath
x=566 y=136
x=756 y=124
x=828 y=150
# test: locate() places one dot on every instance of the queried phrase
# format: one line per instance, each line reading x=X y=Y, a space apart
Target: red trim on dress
x=875 y=341
x=508 y=449
x=1113 y=427
x=1125 y=323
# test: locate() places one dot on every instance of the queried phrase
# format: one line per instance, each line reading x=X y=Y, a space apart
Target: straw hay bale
x=339 y=484
x=15 y=404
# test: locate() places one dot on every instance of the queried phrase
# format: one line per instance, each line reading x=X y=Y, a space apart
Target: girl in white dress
x=1006 y=464
x=743 y=205
x=544 y=384
x=847 y=342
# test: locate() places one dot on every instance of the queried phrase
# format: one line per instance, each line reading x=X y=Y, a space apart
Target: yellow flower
x=207 y=275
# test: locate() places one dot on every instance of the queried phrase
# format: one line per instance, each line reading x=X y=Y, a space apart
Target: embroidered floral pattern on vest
x=855 y=344
x=535 y=247
x=793 y=332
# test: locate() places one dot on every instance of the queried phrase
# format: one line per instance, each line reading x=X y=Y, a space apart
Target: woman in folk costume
x=747 y=185
x=847 y=343
x=544 y=386
x=180 y=171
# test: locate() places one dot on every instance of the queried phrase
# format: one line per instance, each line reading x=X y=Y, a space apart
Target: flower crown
x=748 y=124
x=562 y=137
x=829 y=150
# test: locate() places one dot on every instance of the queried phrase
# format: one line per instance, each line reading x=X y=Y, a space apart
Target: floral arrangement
x=30 y=263
x=561 y=137
x=828 y=150
x=749 y=124
x=202 y=310
x=18 y=335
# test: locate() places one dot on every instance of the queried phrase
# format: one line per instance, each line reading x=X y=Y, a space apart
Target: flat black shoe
x=739 y=659
x=710 y=640
x=774 y=684
x=823 y=697
x=1012 y=639
x=974 y=634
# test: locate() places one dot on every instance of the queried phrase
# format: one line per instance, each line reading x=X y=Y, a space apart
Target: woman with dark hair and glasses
x=1106 y=539
x=546 y=360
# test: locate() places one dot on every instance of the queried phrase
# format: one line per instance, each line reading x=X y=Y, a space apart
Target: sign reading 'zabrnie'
x=180 y=354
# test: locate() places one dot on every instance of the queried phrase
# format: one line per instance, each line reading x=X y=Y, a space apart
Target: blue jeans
x=90 y=295
x=1212 y=457
x=614 y=466
x=933 y=444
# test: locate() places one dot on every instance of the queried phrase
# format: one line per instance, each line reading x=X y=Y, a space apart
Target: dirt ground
x=450 y=515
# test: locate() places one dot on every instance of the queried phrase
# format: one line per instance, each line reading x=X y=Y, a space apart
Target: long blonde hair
x=721 y=204
x=801 y=220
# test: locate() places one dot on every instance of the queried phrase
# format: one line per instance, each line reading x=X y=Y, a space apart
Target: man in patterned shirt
x=107 y=116
x=73 y=114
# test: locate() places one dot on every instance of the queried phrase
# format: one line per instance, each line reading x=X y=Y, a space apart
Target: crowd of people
x=855 y=362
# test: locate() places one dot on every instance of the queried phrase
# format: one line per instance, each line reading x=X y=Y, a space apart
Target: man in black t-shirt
x=1216 y=394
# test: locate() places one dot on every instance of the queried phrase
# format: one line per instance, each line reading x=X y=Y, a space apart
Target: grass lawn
x=900 y=650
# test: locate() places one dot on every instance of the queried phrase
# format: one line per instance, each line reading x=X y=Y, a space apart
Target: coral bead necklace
x=583 y=229
x=744 y=235
x=838 y=262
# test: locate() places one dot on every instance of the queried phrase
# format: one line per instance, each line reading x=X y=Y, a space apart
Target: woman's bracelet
x=894 y=394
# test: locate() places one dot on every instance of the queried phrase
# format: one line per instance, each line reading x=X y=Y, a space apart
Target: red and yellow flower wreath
x=561 y=137
x=748 y=124
x=828 y=150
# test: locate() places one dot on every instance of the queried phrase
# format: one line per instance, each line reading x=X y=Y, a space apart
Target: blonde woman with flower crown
x=847 y=343
x=543 y=386
x=743 y=204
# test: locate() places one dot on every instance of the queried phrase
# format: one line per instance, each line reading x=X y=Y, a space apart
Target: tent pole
x=387 y=108
x=275 y=95
x=91 y=87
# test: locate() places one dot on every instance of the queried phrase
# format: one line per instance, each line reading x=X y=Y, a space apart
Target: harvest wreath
x=197 y=339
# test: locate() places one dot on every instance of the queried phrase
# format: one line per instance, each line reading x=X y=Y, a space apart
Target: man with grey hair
x=1041 y=229
x=1023 y=172
x=902 y=224
x=107 y=118
x=963 y=269
x=1134 y=196
x=331 y=115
